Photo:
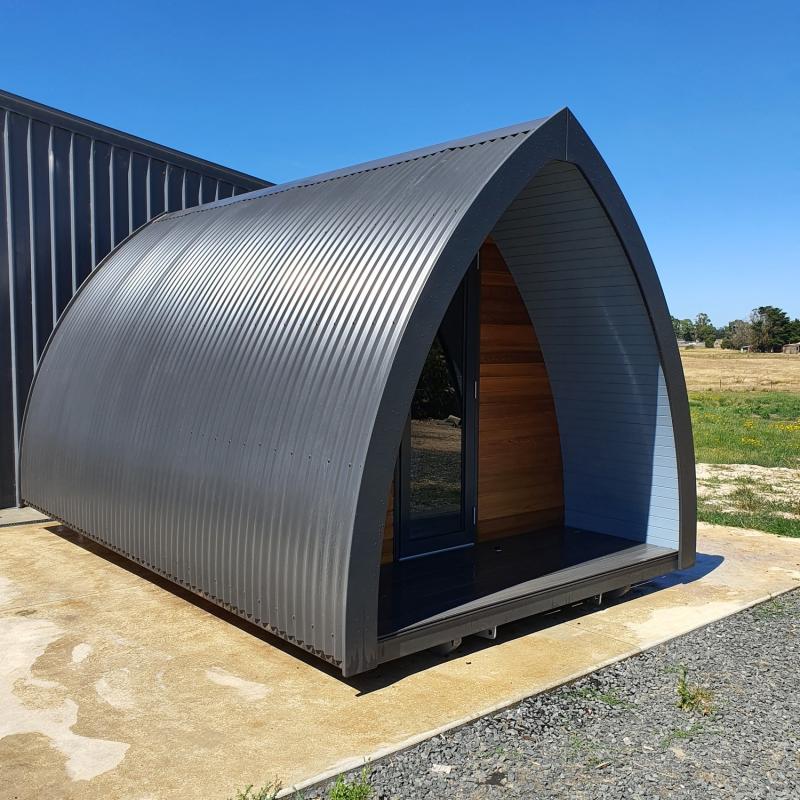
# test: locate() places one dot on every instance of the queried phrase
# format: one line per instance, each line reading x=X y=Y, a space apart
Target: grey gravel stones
x=619 y=732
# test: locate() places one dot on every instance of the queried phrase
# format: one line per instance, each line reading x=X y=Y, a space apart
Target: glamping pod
x=382 y=408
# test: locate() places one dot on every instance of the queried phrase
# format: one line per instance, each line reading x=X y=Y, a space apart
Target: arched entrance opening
x=538 y=442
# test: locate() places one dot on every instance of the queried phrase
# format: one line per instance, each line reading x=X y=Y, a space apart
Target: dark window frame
x=422 y=536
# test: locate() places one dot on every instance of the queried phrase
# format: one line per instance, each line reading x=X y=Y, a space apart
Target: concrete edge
x=381 y=753
x=28 y=522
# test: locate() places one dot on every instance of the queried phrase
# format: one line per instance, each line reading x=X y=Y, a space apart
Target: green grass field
x=760 y=521
x=746 y=428
x=757 y=428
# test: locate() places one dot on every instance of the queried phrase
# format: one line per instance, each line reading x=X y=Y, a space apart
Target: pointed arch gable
x=560 y=142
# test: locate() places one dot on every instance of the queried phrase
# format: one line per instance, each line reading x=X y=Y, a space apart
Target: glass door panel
x=437 y=439
x=436 y=458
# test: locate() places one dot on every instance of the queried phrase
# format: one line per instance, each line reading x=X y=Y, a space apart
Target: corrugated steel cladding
x=276 y=363
x=245 y=448
x=70 y=191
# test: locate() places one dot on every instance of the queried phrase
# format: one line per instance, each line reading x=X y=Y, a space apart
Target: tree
x=704 y=330
x=436 y=395
x=772 y=328
x=737 y=334
x=767 y=331
x=684 y=329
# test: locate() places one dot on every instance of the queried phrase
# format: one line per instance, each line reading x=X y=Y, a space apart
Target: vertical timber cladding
x=70 y=190
x=520 y=477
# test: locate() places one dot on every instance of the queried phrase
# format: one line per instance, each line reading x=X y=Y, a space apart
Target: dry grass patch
x=729 y=370
x=748 y=496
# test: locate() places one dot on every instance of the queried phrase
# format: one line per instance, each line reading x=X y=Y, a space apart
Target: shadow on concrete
x=79 y=540
x=393 y=671
x=705 y=564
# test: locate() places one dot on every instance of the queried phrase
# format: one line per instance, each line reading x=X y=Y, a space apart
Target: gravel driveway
x=619 y=733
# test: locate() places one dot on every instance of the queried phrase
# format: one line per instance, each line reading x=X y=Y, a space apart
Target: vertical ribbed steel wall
x=70 y=191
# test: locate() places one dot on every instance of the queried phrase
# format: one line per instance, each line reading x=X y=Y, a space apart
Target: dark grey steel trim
x=533 y=152
x=558 y=138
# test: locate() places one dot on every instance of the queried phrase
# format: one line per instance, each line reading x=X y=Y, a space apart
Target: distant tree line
x=766 y=331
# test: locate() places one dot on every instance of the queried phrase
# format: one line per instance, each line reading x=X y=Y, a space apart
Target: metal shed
x=381 y=408
x=70 y=191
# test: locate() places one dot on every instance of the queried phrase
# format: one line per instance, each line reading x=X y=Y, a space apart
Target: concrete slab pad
x=21 y=516
x=114 y=685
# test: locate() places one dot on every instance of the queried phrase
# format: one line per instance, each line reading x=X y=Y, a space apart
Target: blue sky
x=695 y=106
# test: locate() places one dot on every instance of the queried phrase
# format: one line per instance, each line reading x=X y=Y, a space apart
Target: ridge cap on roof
x=380 y=163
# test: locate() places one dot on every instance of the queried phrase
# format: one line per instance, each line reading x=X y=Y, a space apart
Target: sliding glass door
x=437 y=473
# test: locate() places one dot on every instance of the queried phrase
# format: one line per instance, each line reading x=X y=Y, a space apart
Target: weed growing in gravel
x=267 y=792
x=587 y=751
x=770 y=609
x=359 y=789
x=579 y=745
x=692 y=697
x=610 y=698
x=681 y=733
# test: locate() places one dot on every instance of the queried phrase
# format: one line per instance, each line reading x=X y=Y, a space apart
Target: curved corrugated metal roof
x=223 y=400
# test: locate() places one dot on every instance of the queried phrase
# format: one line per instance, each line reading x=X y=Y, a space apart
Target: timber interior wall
x=520 y=484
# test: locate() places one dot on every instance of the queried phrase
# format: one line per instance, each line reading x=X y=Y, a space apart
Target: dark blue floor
x=417 y=589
